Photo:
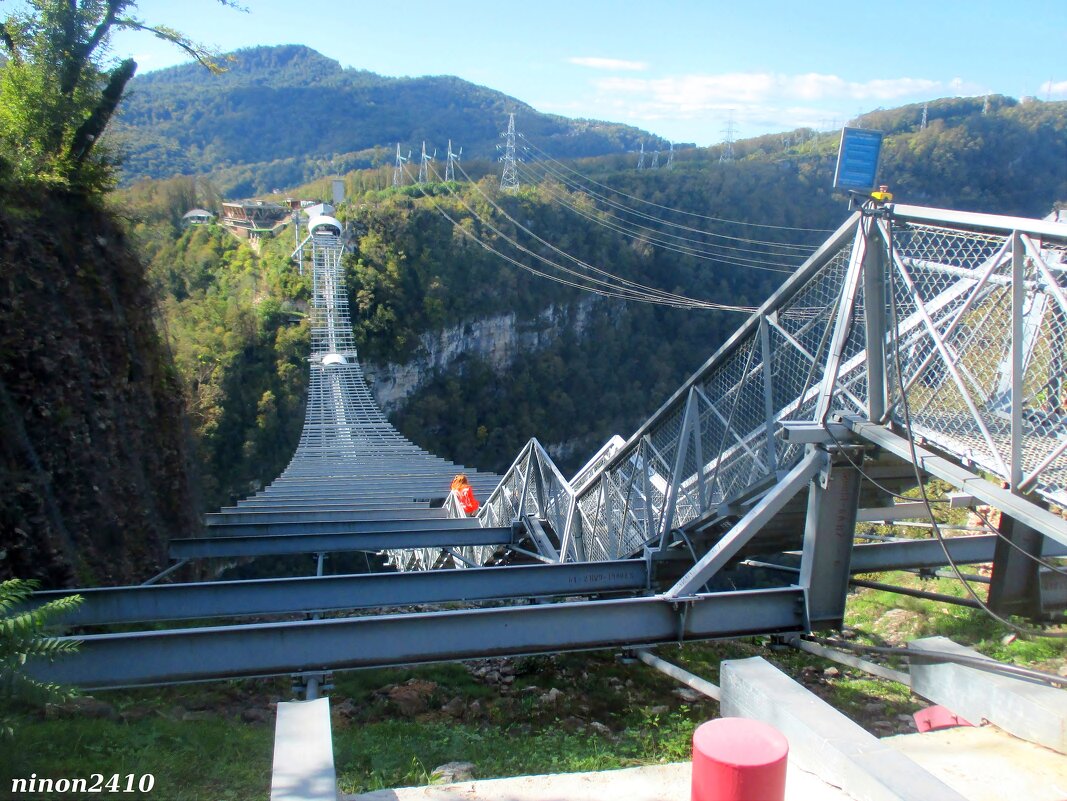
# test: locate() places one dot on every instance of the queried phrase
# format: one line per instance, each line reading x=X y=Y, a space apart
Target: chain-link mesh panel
x=948 y=312
x=957 y=352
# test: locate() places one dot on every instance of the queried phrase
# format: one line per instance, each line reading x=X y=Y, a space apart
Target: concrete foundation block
x=822 y=740
x=1029 y=710
x=303 y=753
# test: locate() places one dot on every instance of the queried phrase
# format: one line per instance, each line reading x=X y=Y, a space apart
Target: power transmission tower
x=670 y=157
x=922 y=125
x=655 y=159
x=424 y=163
x=398 y=167
x=641 y=158
x=985 y=105
x=450 y=164
x=727 y=154
x=509 y=178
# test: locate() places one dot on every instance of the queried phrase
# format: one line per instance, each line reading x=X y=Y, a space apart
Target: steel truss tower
x=398 y=166
x=509 y=178
x=450 y=163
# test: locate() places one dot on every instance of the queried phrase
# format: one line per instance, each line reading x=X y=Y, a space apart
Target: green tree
x=22 y=635
x=57 y=96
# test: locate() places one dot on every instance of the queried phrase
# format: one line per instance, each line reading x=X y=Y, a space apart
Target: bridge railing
x=983 y=305
x=964 y=316
x=971 y=307
x=721 y=434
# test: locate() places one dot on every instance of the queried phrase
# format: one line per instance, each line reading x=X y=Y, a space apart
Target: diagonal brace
x=749 y=525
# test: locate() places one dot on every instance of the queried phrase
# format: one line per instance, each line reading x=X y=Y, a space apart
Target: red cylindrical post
x=736 y=759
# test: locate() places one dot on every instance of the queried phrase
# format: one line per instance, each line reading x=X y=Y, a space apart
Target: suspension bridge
x=913 y=343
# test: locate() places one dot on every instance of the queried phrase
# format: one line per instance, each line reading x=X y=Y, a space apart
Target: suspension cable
x=624 y=290
x=549 y=158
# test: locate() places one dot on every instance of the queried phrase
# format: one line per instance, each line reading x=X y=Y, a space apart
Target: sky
x=687 y=70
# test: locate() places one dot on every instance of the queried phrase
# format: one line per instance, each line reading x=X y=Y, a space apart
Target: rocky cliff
x=94 y=459
x=497 y=341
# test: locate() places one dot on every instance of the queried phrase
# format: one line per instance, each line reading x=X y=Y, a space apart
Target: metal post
x=644 y=452
x=842 y=324
x=768 y=394
x=828 y=534
x=1014 y=587
x=667 y=519
x=874 y=303
x=1018 y=298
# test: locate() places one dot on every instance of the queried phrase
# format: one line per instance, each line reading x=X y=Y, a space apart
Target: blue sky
x=686 y=70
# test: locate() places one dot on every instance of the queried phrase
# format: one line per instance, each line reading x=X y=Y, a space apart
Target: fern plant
x=23 y=635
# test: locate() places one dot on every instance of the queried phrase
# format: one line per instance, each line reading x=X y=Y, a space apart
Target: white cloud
x=608 y=63
x=757 y=102
x=1050 y=88
x=696 y=92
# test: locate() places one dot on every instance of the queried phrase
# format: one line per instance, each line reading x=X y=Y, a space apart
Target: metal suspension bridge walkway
x=915 y=342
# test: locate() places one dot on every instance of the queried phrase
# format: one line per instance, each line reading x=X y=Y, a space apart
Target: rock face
x=94 y=456
x=495 y=340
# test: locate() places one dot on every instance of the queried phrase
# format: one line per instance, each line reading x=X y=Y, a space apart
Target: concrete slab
x=987 y=764
x=1032 y=711
x=653 y=783
x=823 y=740
x=303 y=753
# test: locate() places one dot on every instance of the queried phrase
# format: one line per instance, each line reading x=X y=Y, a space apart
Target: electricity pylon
x=424 y=163
x=509 y=178
x=450 y=165
x=727 y=154
x=398 y=167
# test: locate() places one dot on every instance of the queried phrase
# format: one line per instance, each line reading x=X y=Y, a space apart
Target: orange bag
x=468 y=501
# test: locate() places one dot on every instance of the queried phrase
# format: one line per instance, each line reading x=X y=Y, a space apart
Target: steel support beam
x=117 y=605
x=204 y=654
x=1013 y=505
x=1014 y=588
x=828 y=534
x=222 y=521
x=878 y=557
x=367 y=526
x=874 y=319
x=278 y=544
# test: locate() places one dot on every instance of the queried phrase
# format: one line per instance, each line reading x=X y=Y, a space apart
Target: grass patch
x=191 y=761
x=402 y=753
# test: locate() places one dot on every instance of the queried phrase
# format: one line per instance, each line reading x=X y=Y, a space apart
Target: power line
x=652 y=237
x=547 y=157
x=614 y=286
x=569 y=183
x=660 y=293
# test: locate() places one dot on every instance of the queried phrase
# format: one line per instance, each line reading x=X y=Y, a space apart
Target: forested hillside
x=283 y=115
x=599 y=365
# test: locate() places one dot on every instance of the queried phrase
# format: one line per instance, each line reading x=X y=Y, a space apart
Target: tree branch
x=9 y=43
x=89 y=131
x=205 y=57
x=81 y=54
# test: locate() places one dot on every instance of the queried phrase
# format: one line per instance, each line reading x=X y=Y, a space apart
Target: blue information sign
x=857 y=159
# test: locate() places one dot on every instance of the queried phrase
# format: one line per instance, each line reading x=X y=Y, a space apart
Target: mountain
x=471 y=356
x=284 y=115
